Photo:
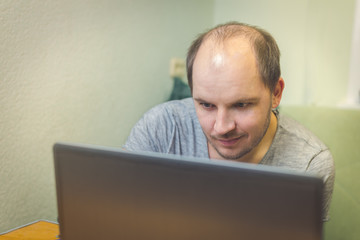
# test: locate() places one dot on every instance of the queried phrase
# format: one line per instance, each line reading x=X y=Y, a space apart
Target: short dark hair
x=266 y=50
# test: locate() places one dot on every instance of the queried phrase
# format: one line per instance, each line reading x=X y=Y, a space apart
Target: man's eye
x=207 y=105
x=242 y=105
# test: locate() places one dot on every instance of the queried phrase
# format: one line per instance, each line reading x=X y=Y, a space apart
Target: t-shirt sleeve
x=153 y=132
x=323 y=165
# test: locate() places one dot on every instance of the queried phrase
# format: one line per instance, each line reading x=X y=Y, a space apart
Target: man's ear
x=277 y=93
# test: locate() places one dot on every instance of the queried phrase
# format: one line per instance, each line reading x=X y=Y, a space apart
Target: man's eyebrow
x=242 y=100
x=199 y=100
x=254 y=99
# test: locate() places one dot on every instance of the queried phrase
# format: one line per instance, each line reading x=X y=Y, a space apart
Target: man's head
x=263 y=44
x=234 y=87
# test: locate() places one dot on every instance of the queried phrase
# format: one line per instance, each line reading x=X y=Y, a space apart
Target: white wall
x=314 y=37
x=353 y=97
x=81 y=71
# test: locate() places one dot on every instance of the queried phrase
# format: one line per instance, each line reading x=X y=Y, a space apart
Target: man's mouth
x=228 y=142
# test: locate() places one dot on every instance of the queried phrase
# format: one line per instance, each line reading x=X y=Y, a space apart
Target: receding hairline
x=222 y=34
x=218 y=38
x=261 y=42
x=231 y=30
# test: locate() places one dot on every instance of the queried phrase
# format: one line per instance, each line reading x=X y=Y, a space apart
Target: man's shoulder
x=295 y=147
x=294 y=130
x=183 y=104
x=175 y=109
x=170 y=127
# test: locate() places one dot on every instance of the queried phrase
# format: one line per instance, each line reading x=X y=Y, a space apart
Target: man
x=234 y=77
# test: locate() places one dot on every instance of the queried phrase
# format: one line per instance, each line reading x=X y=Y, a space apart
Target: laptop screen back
x=106 y=193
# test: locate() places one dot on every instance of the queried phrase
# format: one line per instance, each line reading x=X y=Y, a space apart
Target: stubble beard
x=248 y=149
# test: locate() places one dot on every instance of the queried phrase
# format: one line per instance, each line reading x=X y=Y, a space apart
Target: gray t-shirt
x=173 y=128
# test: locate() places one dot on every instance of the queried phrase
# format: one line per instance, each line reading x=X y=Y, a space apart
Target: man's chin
x=231 y=155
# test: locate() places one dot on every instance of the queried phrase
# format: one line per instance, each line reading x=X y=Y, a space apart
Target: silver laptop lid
x=107 y=193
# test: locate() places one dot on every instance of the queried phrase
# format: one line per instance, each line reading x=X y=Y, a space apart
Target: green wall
x=80 y=71
x=340 y=130
x=314 y=37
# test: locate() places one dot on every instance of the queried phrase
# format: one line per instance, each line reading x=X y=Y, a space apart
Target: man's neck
x=259 y=152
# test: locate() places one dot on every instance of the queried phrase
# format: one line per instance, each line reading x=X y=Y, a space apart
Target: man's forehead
x=214 y=54
x=216 y=51
x=234 y=42
x=228 y=63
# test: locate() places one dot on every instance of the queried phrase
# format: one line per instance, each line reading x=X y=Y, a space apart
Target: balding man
x=236 y=85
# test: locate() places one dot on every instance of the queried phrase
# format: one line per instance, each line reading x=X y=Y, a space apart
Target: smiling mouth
x=229 y=142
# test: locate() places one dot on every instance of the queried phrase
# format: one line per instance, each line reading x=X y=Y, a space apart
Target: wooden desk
x=40 y=230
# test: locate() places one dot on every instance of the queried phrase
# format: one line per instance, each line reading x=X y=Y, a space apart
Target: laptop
x=109 y=193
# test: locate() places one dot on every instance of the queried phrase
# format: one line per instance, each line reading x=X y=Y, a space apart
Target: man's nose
x=224 y=122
